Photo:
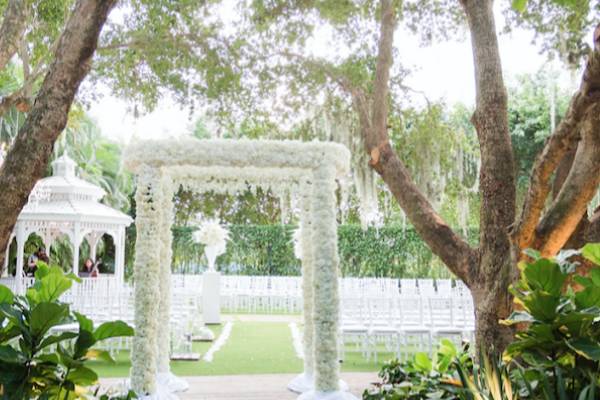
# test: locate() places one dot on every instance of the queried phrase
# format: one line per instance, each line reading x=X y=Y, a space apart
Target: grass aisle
x=252 y=348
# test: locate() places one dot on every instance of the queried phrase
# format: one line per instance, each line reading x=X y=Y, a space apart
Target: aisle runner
x=220 y=342
x=297 y=340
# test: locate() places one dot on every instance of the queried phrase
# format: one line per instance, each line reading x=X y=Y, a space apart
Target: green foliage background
x=390 y=251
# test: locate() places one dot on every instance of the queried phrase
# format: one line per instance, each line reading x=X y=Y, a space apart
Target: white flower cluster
x=226 y=166
x=325 y=261
x=212 y=234
x=219 y=153
x=166 y=255
x=146 y=274
x=297 y=242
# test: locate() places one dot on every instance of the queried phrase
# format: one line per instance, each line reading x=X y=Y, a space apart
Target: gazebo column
x=20 y=236
x=76 y=238
x=146 y=276
x=305 y=381
x=93 y=238
x=6 y=258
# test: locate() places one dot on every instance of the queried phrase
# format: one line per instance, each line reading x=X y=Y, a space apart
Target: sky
x=442 y=71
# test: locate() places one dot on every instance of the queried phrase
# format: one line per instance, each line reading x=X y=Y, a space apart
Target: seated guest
x=88 y=267
x=32 y=261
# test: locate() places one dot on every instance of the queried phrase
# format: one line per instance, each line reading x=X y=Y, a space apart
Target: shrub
x=559 y=351
x=420 y=377
x=37 y=363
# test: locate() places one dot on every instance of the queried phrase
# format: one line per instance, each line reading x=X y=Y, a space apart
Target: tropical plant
x=39 y=362
x=421 y=377
x=560 y=347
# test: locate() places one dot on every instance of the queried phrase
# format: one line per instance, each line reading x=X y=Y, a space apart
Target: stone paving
x=256 y=387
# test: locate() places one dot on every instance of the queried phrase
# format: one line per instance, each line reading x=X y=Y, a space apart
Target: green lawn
x=252 y=348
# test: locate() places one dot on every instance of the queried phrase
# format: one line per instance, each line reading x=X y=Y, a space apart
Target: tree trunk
x=28 y=157
x=497 y=181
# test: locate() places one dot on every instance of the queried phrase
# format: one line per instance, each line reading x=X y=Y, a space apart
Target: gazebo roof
x=64 y=197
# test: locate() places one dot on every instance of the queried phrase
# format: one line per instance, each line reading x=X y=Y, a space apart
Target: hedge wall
x=390 y=251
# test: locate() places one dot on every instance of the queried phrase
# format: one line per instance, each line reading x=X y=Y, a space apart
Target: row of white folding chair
x=261 y=303
x=405 y=323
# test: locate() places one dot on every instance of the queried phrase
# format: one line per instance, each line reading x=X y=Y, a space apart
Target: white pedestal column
x=211 y=297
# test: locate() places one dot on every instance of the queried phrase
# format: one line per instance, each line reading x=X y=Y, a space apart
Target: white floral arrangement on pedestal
x=214 y=237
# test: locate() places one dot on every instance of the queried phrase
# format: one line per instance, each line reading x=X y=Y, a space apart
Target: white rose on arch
x=214 y=237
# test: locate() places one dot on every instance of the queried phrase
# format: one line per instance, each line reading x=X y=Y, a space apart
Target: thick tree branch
x=28 y=157
x=579 y=188
x=563 y=140
x=12 y=29
x=443 y=241
x=497 y=181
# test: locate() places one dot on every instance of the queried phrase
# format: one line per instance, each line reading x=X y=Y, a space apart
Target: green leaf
x=588 y=297
x=422 y=362
x=517 y=317
x=532 y=253
x=10 y=355
x=82 y=376
x=53 y=286
x=50 y=340
x=583 y=281
x=519 y=5
x=6 y=295
x=113 y=329
x=595 y=276
x=46 y=315
x=591 y=251
x=542 y=306
x=84 y=342
x=545 y=275
x=586 y=348
x=85 y=324
x=95 y=354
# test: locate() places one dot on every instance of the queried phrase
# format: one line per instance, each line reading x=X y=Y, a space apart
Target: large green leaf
x=591 y=251
x=595 y=276
x=588 y=297
x=517 y=317
x=95 y=354
x=113 y=329
x=53 y=286
x=82 y=376
x=85 y=324
x=46 y=315
x=545 y=275
x=50 y=340
x=10 y=355
x=586 y=348
x=6 y=295
x=423 y=363
x=542 y=306
x=84 y=342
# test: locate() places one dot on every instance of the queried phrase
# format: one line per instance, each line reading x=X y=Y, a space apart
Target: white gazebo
x=66 y=205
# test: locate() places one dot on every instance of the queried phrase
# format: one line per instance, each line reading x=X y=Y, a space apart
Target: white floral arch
x=307 y=169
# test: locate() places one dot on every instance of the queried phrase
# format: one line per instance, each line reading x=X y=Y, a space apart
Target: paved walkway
x=256 y=387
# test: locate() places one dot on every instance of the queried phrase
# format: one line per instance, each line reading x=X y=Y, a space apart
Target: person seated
x=39 y=255
x=88 y=267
